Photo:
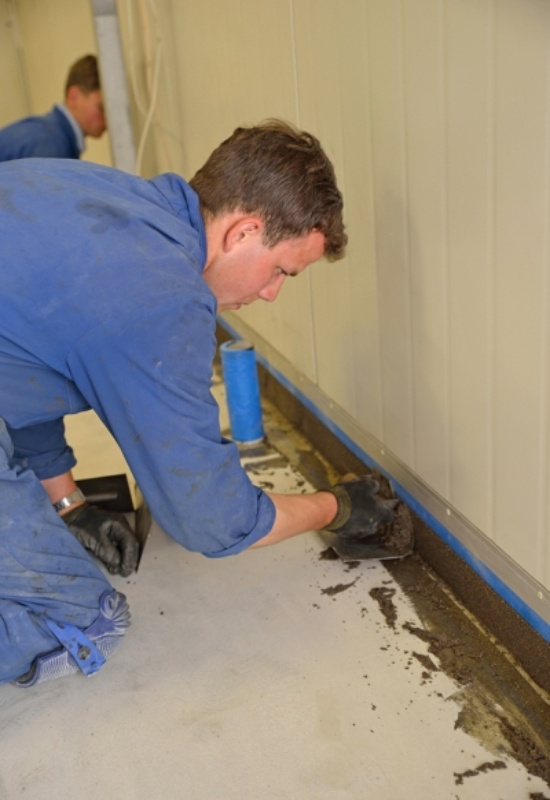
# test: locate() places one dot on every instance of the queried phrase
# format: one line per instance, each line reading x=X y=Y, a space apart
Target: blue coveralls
x=46 y=136
x=103 y=306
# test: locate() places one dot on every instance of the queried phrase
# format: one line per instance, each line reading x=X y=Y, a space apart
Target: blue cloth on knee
x=44 y=571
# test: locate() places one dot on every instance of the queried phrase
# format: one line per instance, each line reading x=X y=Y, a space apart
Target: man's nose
x=270 y=292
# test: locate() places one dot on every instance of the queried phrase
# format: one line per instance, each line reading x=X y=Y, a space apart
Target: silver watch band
x=67 y=501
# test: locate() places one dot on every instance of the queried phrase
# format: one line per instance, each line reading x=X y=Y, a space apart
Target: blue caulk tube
x=240 y=375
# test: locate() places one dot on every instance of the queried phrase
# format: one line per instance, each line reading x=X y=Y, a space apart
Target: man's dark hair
x=84 y=73
x=282 y=175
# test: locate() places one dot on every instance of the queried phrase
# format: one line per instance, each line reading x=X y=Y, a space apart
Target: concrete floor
x=275 y=674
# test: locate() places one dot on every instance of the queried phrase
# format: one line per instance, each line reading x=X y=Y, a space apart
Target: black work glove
x=360 y=511
x=107 y=535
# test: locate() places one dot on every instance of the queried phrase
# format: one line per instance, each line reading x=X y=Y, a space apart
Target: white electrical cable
x=141 y=104
x=146 y=109
x=148 y=9
x=151 y=111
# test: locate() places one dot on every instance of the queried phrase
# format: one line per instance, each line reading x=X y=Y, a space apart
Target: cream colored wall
x=430 y=341
x=52 y=34
x=432 y=337
x=15 y=102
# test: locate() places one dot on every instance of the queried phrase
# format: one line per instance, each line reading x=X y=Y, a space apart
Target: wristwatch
x=67 y=501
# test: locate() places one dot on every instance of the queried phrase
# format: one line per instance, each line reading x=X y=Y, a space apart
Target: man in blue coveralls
x=110 y=286
x=61 y=132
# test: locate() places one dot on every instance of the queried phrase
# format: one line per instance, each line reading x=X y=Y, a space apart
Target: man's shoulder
x=38 y=136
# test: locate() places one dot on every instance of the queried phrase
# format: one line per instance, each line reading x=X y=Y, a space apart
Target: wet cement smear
x=488 y=766
x=437 y=641
x=340 y=587
x=496 y=707
x=485 y=710
x=384 y=597
x=399 y=536
x=426 y=662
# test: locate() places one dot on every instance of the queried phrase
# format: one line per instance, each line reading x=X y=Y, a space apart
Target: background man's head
x=83 y=96
x=280 y=174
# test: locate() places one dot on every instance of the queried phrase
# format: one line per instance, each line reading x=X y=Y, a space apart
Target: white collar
x=80 y=141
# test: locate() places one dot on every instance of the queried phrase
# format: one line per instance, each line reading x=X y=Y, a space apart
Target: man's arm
x=105 y=534
x=61 y=486
x=352 y=508
x=298 y=513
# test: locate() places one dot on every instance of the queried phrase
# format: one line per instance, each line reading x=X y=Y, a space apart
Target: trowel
x=391 y=541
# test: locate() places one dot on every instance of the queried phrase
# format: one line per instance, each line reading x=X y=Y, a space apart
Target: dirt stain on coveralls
x=7 y=204
x=107 y=216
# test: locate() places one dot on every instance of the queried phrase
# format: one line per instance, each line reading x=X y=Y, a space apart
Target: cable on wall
x=153 y=64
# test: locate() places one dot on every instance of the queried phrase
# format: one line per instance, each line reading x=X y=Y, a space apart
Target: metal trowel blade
x=359 y=549
x=393 y=541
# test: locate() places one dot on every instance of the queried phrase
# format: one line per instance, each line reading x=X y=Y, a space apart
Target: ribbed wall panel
x=433 y=335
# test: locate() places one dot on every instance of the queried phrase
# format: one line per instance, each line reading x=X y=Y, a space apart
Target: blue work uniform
x=103 y=306
x=52 y=135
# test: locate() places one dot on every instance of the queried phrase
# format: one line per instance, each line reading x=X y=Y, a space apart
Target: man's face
x=87 y=109
x=252 y=271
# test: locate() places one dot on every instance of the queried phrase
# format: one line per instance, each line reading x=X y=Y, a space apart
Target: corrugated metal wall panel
x=426 y=202
x=433 y=336
x=393 y=269
x=331 y=55
x=470 y=199
x=520 y=94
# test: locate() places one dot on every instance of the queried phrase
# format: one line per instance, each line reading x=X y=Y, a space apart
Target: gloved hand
x=360 y=511
x=107 y=535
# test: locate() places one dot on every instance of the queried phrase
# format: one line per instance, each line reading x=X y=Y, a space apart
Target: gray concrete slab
x=274 y=674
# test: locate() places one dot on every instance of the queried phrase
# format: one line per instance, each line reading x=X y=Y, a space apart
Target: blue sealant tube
x=240 y=376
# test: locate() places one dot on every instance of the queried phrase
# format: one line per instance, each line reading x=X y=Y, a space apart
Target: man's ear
x=242 y=230
x=72 y=97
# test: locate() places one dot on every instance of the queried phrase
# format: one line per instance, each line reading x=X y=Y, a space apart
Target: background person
x=61 y=132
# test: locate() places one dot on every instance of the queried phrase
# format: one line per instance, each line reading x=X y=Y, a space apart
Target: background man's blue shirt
x=103 y=306
x=48 y=136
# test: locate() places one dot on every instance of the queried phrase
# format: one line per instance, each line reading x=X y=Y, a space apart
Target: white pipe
x=113 y=84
